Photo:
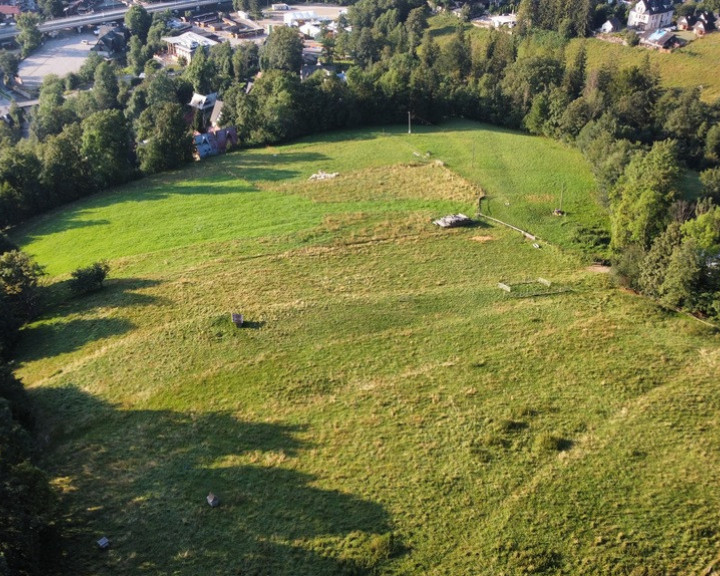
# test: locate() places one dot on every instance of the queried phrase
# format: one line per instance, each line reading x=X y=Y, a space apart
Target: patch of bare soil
x=482 y=238
x=598 y=269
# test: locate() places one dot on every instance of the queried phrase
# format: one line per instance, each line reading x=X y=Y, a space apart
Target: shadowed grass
x=389 y=410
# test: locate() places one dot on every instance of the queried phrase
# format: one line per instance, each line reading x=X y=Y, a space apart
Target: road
x=107 y=16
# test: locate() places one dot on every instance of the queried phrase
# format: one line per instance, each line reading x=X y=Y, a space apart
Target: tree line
x=28 y=531
x=620 y=118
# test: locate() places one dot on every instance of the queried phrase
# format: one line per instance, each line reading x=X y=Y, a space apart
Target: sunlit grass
x=386 y=409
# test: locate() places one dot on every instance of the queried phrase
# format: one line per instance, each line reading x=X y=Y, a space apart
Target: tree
x=574 y=78
x=29 y=36
x=607 y=155
x=136 y=55
x=527 y=78
x=246 y=61
x=49 y=116
x=683 y=277
x=63 y=169
x=51 y=8
x=19 y=276
x=138 y=21
x=685 y=9
x=682 y=116
x=107 y=146
x=712 y=144
x=9 y=64
x=26 y=500
x=270 y=113
x=655 y=264
x=6 y=245
x=705 y=231
x=455 y=56
x=105 y=88
x=87 y=70
x=200 y=72
x=166 y=140
x=640 y=201
x=710 y=179
x=416 y=23
x=20 y=170
x=221 y=56
x=89 y=279
x=282 y=51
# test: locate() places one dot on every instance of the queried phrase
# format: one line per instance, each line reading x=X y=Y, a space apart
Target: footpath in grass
x=386 y=409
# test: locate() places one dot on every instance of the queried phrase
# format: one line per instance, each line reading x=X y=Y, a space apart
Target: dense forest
x=91 y=131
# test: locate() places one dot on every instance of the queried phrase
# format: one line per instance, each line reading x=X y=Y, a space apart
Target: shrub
x=89 y=279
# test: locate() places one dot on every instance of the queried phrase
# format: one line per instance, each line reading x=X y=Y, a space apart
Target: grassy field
x=386 y=409
x=521 y=176
x=685 y=67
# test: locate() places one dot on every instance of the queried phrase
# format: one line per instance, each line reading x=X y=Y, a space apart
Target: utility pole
x=409 y=123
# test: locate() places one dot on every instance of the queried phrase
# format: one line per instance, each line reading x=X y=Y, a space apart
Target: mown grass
x=245 y=198
x=386 y=409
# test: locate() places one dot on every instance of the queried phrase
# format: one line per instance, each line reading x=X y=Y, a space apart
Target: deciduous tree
x=138 y=21
x=282 y=51
x=107 y=147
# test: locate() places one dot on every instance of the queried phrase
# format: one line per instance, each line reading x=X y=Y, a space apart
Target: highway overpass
x=9 y=32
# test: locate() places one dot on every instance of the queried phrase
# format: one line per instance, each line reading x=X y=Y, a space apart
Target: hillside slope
x=386 y=408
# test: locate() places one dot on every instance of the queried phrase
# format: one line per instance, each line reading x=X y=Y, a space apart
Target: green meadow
x=385 y=408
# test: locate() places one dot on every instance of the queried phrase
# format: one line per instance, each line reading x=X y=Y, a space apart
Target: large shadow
x=116 y=292
x=47 y=340
x=53 y=336
x=141 y=478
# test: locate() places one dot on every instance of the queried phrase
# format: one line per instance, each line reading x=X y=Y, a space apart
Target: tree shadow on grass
x=116 y=292
x=141 y=478
x=48 y=339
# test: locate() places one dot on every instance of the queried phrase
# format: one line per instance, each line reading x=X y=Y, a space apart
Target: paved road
x=107 y=16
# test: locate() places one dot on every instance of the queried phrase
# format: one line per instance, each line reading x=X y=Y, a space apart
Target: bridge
x=9 y=32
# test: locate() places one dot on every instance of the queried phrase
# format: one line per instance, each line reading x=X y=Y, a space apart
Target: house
x=9 y=11
x=705 y=23
x=701 y=28
x=111 y=39
x=686 y=22
x=204 y=105
x=216 y=114
x=504 y=20
x=651 y=14
x=185 y=45
x=660 y=40
x=215 y=141
x=203 y=102
x=308 y=70
x=302 y=16
x=311 y=29
x=611 y=25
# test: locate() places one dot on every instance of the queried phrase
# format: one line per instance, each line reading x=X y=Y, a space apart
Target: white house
x=611 y=25
x=187 y=44
x=293 y=18
x=651 y=14
x=310 y=29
